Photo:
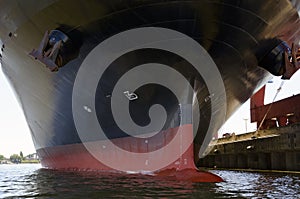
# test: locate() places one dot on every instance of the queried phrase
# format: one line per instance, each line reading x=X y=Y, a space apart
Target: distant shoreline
x=6 y=162
x=30 y=162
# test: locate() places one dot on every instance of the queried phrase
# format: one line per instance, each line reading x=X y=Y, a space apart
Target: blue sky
x=15 y=135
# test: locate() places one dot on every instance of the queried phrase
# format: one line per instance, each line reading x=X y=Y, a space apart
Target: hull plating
x=229 y=34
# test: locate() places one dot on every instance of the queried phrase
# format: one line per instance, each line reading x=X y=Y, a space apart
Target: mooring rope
x=269 y=108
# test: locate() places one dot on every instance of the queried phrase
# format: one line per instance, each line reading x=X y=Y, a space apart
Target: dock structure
x=274 y=146
x=272 y=149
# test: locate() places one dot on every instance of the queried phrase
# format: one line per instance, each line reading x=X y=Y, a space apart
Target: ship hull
x=88 y=154
x=211 y=45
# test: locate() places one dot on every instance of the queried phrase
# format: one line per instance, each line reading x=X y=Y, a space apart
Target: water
x=31 y=181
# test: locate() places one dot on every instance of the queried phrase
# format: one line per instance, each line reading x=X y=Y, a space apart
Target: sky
x=14 y=132
x=15 y=135
x=236 y=122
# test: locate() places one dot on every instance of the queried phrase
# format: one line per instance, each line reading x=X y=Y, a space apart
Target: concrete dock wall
x=274 y=149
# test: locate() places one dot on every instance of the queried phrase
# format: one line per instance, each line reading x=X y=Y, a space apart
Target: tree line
x=14 y=158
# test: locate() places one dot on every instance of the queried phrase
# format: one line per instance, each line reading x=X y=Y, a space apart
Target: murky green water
x=30 y=181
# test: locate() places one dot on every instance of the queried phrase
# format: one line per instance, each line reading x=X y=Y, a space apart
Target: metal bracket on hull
x=291 y=62
x=281 y=60
x=48 y=52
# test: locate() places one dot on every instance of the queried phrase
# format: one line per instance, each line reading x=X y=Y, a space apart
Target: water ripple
x=31 y=181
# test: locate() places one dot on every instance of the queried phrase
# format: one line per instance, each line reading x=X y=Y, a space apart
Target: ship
x=140 y=86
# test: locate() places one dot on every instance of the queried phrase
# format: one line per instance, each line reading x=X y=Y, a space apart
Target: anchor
x=48 y=52
x=291 y=62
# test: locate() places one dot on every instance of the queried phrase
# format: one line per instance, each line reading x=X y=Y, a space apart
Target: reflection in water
x=259 y=185
x=32 y=181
